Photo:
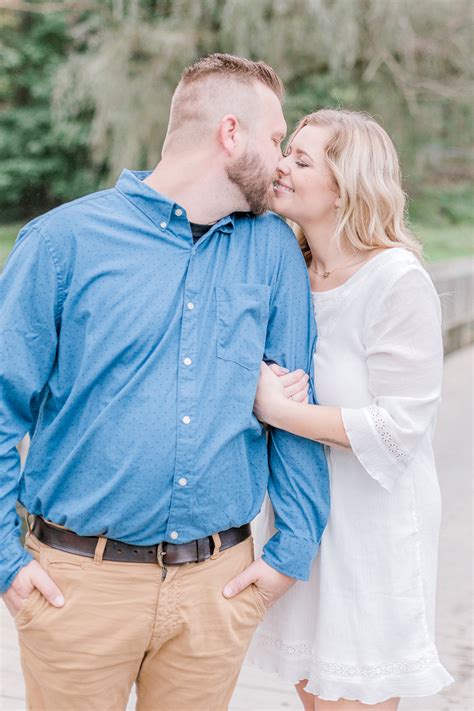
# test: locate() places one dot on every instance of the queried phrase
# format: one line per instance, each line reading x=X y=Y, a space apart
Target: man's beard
x=253 y=181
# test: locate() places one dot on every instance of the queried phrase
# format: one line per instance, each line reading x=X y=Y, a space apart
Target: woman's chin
x=278 y=205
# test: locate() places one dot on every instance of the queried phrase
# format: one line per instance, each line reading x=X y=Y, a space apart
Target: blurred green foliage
x=439 y=208
x=85 y=90
x=8 y=235
x=38 y=167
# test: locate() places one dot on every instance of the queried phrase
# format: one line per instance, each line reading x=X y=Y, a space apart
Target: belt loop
x=99 y=549
x=29 y=525
x=217 y=546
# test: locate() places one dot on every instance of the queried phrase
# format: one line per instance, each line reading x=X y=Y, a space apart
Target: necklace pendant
x=326 y=275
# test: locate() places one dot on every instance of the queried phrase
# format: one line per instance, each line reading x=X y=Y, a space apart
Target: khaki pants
x=180 y=640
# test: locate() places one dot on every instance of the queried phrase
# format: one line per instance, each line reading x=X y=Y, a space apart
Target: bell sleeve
x=404 y=349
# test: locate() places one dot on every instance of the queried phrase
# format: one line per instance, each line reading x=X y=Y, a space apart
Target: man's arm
x=299 y=482
x=30 y=295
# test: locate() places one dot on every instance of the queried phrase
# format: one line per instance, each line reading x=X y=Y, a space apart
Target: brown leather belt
x=162 y=554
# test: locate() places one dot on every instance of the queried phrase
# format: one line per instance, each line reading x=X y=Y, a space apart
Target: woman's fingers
x=302 y=396
x=294 y=384
x=300 y=386
x=278 y=369
x=292 y=378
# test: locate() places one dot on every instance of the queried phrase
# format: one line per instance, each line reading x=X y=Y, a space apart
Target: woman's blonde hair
x=364 y=164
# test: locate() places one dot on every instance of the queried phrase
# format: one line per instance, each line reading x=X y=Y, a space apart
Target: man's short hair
x=219 y=83
x=244 y=70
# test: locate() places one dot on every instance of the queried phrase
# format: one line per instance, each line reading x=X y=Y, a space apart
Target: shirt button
x=190 y=305
x=187 y=361
x=183 y=481
x=163 y=225
x=174 y=535
x=178 y=212
x=186 y=420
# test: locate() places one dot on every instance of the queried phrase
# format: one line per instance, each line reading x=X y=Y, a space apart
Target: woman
x=361 y=632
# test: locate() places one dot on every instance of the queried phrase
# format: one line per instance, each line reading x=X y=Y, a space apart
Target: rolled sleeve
x=291 y=555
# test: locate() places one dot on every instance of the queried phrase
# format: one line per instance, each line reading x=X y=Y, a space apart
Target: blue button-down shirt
x=132 y=355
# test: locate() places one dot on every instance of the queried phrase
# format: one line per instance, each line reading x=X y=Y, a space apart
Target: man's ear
x=229 y=134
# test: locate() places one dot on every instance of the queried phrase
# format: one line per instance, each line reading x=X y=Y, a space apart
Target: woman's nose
x=283 y=165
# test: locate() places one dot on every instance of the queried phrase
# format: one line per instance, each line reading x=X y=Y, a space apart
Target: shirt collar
x=162 y=211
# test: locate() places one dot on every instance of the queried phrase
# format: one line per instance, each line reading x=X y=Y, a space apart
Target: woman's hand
x=295 y=384
x=275 y=386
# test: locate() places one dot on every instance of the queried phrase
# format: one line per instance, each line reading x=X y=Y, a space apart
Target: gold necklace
x=327 y=274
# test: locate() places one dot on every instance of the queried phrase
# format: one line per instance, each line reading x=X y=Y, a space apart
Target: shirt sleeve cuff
x=8 y=573
x=290 y=555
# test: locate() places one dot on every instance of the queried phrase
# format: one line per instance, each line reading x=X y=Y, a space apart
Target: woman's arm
x=323 y=424
x=404 y=357
x=272 y=405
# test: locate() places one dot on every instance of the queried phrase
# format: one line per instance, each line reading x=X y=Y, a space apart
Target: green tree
x=41 y=164
x=408 y=63
x=85 y=90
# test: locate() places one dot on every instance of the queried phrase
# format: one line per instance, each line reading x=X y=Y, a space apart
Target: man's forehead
x=282 y=130
x=278 y=127
x=275 y=122
x=272 y=108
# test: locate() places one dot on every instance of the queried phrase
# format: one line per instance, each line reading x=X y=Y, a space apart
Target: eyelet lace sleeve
x=382 y=425
x=403 y=344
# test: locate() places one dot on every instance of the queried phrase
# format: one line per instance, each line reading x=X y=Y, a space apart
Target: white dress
x=363 y=626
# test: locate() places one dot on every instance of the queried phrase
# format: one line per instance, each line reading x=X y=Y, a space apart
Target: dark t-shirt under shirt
x=198 y=230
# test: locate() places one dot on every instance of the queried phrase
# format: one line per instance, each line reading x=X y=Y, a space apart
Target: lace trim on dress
x=349 y=670
x=385 y=435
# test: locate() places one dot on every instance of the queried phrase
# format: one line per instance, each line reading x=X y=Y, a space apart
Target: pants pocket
x=63 y=568
x=27 y=611
x=259 y=602
x=29 y=608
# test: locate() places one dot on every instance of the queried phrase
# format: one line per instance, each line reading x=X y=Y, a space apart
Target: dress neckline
x=338 y=290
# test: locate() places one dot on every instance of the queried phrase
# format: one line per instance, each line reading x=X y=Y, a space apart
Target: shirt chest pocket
x=242 y=319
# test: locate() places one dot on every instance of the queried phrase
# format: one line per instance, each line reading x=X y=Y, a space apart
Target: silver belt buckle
x=160 y=553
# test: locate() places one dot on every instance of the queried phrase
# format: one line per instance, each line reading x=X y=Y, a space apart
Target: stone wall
x=454 y=282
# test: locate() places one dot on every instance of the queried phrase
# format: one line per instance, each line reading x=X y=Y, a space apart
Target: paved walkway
x=257 y=691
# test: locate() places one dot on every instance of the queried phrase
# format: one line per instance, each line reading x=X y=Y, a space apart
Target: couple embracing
x=158 y=342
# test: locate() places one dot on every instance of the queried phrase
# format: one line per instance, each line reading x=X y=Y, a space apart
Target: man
x=133 y=325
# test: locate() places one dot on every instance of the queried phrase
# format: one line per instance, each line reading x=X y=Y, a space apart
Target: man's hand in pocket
x=271 y=583
x=29 y=577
